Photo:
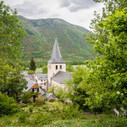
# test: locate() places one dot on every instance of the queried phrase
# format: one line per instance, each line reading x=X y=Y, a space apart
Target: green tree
x=44 y=69
x=107 y=83
x=7 y=105
x=69 y=68
x=32 y=65
x=112 y=5
x=11 y=34
x=74 y=92
x=26 y=97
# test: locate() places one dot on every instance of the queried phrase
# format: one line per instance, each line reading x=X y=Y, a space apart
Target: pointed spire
x=56 y=55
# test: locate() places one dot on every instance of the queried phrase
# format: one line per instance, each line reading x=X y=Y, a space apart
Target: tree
x=69 y=68
x=44 y=69
x=105 y=81
x=32 y=65
x=112 y=5
x=11 y=34
x=73 y=91
x=110 y=68
x=7 y=105
x=26 y=97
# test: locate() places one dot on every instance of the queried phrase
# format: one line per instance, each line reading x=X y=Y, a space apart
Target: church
x=57 y=68
x=56 y=75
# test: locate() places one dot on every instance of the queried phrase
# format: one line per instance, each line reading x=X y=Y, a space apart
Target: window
x=60 y=66
x=56 y=67
x=35 y=90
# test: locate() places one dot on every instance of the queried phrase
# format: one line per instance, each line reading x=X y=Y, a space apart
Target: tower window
x=56 y=67
x=60 y=66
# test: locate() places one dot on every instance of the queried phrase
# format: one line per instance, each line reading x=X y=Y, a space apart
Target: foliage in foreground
x=41 y=114
x=7 y=105
x=58 y=114
x=103 y=85
x=11 y=34
x=91 y=121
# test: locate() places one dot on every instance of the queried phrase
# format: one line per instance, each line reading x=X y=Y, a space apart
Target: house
x=34 y=87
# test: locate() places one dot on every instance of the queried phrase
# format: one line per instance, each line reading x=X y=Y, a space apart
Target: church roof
x=56 y=55
x=61 y=77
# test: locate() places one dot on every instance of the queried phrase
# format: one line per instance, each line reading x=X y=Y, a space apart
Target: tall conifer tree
x=32 y=65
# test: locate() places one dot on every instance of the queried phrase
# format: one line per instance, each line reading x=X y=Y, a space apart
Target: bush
x=52 y=99
x=40 y=100
x=68 y=112
x=31 y=72
x=7 y=105
x=44 y=69
x=26 y=97
x=22 y=117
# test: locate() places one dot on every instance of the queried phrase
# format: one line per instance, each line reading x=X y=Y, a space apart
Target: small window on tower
x=60 y=66
x=56 y=67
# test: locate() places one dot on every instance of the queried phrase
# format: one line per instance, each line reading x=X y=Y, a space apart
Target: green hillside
x=41 y=34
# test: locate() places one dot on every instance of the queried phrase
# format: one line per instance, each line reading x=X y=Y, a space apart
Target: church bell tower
x=56 y=63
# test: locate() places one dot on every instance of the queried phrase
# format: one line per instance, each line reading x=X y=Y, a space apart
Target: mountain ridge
x=41 y=34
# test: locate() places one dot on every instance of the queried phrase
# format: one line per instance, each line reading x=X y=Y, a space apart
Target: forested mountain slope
x=41 y=34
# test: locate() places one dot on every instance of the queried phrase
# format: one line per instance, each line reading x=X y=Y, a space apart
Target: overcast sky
x=79 y=12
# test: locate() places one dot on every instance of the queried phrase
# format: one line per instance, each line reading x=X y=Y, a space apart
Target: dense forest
x=98 y=89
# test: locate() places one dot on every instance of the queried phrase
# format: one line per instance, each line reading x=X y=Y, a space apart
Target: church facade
x=57 y=67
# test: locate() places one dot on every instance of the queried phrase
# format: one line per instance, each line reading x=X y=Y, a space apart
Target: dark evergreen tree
x=32 y=65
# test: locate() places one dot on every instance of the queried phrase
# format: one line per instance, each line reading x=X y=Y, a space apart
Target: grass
x=91 y=121
x=57 y=114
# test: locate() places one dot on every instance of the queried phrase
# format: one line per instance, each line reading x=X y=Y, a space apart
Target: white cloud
x=78 y=12
x=75 y=5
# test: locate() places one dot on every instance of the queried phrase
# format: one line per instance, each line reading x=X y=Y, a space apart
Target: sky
x=78 y=12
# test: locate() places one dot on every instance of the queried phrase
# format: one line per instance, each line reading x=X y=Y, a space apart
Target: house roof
x=42 y=76
x=40 y=72
x=61 y=77
x=35 y=86
x=29 y=84
x=56 y=55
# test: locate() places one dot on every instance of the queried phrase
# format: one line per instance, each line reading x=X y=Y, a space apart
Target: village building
x=56 y=75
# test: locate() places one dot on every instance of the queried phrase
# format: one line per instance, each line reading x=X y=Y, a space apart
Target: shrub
x=44 y=69
x=40 y=100
x=30 y=109
x=26 y=97
x=31 y=72
x=22 y=117
x=52 y=99
x=7 y=105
